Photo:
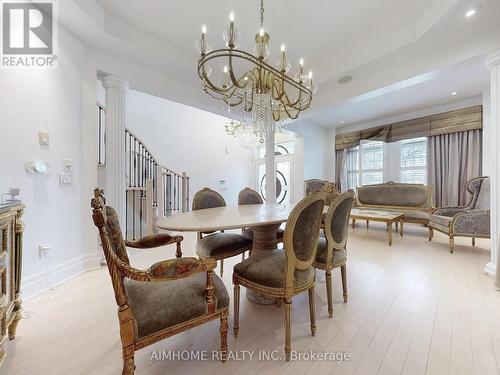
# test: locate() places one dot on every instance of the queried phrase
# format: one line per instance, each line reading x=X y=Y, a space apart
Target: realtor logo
x=28 y=34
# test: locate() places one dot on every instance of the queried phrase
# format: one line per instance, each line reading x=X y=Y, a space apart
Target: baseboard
x=36 y=284
x=490 y=269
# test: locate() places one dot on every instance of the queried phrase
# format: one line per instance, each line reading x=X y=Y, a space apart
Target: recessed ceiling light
x=342 y=121
x=345 y=79
x=454 y=93
x=470 y=12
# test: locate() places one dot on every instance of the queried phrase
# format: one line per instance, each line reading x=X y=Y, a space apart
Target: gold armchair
x=168 y=298
x=286 y=273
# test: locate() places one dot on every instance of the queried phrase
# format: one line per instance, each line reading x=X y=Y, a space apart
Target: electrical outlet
x=44 y=251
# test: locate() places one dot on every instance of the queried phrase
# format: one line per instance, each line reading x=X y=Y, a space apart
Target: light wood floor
x=413 y=309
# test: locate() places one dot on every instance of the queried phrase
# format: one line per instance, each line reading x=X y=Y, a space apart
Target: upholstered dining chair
x=250 y=196
x=169 y=297
x=471 y=220
x=220 y=245
x=288 y=272
x=332 y=251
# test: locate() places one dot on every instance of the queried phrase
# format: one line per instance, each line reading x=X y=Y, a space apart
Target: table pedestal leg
x=264 y=244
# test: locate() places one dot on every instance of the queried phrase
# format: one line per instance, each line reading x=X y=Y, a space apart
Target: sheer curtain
x=340 y=169
x=453 y=159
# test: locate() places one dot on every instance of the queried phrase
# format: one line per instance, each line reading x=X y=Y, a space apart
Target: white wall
x=318 y=149
x=188 y=139
x=48 y=100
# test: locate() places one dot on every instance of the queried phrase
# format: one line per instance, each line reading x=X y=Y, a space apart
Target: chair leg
x=473 y=241
x=452 y=244
x=312 y=310
x=221 y=267
x=328 y=283
x=236 y=327
x=178 y=253
x=127 y=337
x=431 y=233
x=243 y=256
x=128 y=365
x=223 y=336
x=344 y=281
x=288 y=328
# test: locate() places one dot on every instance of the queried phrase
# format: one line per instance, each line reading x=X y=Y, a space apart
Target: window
x=375 y=162
x=365 y=164
x=414 y=161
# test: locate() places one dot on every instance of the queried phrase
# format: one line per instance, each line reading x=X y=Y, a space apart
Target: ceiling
x=406 y=54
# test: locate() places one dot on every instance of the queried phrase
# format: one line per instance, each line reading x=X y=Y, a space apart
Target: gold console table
x=11 y=245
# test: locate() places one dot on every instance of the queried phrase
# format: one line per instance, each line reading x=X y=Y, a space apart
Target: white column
x=270 y=164
x=116 y=93
x=493 y=65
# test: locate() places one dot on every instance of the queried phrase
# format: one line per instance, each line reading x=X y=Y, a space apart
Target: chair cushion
x=248 y=233
x=269 y=271
x=441 y=223
x=159 y=305
x=222 y=245
x=339 y=256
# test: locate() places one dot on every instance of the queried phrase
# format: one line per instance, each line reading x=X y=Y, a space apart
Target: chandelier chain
x=262 y=13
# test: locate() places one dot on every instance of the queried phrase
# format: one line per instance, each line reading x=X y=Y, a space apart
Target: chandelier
x=268 y=95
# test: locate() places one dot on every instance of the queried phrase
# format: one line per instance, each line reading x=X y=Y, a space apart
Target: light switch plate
x=43 y=139
x=65 y=179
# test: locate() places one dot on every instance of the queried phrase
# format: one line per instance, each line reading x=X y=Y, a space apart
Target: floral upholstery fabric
x=159 y=305
x=174 y=267
x=474 y=222
x=222 y=245
x=154 y=240
x=339 y=256
x=113 y=228
x=270 y=271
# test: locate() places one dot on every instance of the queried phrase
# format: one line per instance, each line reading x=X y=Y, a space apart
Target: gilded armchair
x=168 y=298
x=288 y=272
x=332 y=251
x=470 y=220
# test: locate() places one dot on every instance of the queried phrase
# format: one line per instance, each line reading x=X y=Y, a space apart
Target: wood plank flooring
x=413 y=309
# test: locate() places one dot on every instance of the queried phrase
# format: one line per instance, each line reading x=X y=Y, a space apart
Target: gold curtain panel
x=449 y=122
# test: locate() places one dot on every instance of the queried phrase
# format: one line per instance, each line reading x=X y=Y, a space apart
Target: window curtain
x=453 y=159
x=340 y=169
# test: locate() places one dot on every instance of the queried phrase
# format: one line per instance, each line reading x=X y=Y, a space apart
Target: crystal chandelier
x=268 y=95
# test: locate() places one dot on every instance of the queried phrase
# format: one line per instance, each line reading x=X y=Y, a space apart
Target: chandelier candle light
x=268 y=95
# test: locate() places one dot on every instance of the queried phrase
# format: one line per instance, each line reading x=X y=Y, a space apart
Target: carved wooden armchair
x=471 y=220
x=168 y=298
x=250 y=196
x=332 y=251
x=286 y=273
x=220 y=245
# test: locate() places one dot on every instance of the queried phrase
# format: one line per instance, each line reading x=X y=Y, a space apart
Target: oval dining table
x=264 y=219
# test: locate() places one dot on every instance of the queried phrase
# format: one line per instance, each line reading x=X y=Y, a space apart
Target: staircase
x=152 y=190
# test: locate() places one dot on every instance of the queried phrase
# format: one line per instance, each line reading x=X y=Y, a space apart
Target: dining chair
x=332 y=251
x=220 y=245
x=250 y=196
x=168 y=298
x=285 y=273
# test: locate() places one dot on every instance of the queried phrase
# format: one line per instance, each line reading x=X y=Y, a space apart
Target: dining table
x=263 y=219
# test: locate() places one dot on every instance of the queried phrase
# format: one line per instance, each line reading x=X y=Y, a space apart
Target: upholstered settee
x=414 y=200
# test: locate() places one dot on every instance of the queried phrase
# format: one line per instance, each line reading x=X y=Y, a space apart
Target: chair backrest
x=106 y=220
x=337 y=223
x=301 y=236
x=479 y=188
x=315 y=186
x=249 y=196
x=112 y=224
x=207 y=198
